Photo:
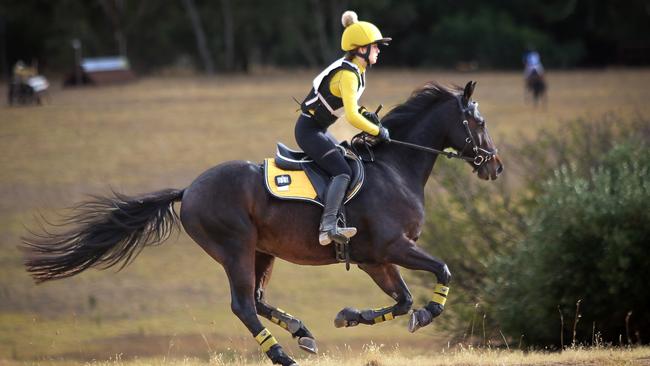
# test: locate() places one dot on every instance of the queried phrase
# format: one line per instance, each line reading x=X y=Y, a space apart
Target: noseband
x=481 y=155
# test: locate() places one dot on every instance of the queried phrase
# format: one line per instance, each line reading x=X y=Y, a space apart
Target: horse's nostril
x=500 y=169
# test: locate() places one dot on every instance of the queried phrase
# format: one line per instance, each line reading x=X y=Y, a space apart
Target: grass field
x=173 y=301
x=374 y=355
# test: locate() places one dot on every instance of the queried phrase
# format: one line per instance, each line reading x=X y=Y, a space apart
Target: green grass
x=160 y=133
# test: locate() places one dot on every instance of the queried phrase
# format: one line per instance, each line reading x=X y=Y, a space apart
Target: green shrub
x=588 y=239
x=478 y=227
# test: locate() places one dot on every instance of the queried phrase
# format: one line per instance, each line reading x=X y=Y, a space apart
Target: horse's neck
x=415 y=166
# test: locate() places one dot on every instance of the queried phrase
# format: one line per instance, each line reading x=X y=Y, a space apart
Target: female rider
x=335 y=92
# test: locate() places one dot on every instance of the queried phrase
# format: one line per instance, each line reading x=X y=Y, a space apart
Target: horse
x=229 y=213
x=536 y=87
x=21 y=93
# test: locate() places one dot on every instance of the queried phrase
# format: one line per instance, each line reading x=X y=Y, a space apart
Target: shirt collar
x=357 y=62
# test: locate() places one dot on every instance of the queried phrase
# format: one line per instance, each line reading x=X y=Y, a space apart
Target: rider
x=532 y=62
x=22 y=72
x=335 y=92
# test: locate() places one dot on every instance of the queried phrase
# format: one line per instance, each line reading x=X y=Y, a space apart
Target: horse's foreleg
x=388 y=278
x=409 y=255
x=263 y=269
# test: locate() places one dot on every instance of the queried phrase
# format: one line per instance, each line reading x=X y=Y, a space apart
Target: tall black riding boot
x=329 y=229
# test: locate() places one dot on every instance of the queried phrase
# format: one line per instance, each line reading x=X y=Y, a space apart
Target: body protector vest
x=320 y=104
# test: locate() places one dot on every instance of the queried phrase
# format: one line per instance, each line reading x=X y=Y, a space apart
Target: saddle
x=292 y=175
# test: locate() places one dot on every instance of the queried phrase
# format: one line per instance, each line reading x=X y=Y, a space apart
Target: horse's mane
x=421 y=99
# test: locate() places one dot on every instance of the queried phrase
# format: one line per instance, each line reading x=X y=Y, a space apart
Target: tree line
x=226 y=35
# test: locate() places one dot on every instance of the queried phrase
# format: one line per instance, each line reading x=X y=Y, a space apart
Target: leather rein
x=481 y=157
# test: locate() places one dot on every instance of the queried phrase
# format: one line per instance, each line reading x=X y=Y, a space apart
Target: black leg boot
x=333 y=199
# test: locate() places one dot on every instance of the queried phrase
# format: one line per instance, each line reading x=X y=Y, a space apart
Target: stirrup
x=343 y=233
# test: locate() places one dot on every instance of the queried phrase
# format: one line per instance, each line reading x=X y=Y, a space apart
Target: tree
x=228 y=35
x=201 y=43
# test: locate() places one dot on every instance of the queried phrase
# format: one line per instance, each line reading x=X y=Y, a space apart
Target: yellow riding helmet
x=359 y=34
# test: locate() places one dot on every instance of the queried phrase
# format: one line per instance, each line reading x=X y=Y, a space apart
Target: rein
x=482 y=156
x=448 y=154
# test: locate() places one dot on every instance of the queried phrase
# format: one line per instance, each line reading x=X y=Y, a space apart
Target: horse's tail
x=108 y=231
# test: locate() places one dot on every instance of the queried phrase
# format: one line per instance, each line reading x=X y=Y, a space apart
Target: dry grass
x=374 y=355
x=160 y=133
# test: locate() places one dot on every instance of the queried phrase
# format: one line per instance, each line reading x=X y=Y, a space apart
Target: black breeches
x=320 y=146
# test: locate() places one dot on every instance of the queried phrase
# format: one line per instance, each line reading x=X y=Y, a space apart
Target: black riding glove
x=370 y=116
x=383 y=134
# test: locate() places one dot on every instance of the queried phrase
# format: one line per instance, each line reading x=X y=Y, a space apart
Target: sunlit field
x=172 y=305
x=374 y=355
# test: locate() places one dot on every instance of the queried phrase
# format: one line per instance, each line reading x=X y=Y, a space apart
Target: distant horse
x=536 y=87
x=27 y=89
x=229 y=213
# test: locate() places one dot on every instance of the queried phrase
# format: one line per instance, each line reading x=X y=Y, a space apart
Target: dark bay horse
x=536 y=87
x=228 y=212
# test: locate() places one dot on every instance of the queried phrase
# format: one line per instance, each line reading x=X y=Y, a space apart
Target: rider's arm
x=348 y=85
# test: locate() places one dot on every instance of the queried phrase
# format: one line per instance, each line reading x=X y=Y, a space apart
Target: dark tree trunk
x=326 y=53
x=114 y=10
x=201 y=43
x=228 y=35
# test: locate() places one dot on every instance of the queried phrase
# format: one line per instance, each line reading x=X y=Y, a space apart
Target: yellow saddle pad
x=288 y=184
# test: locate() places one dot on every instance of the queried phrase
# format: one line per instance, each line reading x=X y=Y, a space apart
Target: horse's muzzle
x=491 y=169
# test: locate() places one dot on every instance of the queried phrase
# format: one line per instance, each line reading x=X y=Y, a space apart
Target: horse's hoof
x=419 y=319
x=278 y=357
x=413 y=323
x=348 y=317
x=308 y=344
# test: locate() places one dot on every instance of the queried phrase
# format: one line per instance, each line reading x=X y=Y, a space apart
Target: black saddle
x=288 y=159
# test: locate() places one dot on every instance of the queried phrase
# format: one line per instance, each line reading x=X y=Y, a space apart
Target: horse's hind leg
x=216 y=213
x=388 y=278
x=263 y=269
x=237 y=256
x=242 y=287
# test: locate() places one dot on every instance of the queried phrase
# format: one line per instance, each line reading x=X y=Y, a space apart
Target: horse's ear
x=467 y=93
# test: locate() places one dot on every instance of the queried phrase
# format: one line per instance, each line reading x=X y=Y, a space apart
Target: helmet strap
x=365 y=55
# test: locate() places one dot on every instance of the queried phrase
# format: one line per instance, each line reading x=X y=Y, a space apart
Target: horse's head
x=470 y=137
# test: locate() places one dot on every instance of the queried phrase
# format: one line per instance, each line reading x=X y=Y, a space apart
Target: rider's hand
x=383 y=134
x=370 y=116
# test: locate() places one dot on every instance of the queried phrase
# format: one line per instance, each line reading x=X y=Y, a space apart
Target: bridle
x=481 y=155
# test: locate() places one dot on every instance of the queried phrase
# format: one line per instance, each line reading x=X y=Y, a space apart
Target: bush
x=588 y=239
x=472 y=223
